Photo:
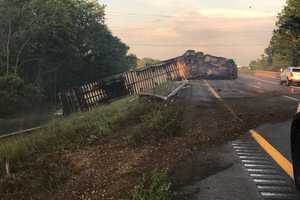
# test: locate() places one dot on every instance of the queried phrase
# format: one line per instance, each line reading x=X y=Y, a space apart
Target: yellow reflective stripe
x=276 y=155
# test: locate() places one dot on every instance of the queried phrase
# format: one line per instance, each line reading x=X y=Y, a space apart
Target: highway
x=260 y=160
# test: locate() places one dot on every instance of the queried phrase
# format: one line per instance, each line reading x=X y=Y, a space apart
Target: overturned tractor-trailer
x=204 y=66
x=191 y=65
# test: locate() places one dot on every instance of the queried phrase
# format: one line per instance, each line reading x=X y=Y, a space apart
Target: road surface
x=259 y=161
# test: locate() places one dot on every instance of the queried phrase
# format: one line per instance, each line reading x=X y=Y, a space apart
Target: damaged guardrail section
x=169 y=94
x=87 y=96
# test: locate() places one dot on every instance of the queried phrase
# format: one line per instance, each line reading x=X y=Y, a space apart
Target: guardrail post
x=7 y=168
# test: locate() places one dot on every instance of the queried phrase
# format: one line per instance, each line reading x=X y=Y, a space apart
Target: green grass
x=38 y=164
x=155 y=186
x=142 y=120
x=70 y=132
x=162 y=120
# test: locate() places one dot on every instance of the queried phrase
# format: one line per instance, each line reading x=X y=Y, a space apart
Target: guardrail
x=267 y=74
x=22 y=132
x=171 y=94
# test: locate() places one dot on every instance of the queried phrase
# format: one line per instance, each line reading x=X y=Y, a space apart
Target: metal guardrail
x=171 y=94
x=22 y=132
x=29 y=131
x=268 y=74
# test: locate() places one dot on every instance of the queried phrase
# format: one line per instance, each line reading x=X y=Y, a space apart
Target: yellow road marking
x=276 y=155
x=215 y=93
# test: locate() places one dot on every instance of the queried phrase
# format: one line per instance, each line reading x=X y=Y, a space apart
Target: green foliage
x=284 y=47
x=59 y=43
x=155 y=186
x=16 y=95
x=163 y=122
x=259 y=63
x=146 y=61
x=160 y=121
x=280 y=61
x=131 y=61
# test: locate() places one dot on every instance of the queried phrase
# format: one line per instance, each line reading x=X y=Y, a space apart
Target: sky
x=163 y=29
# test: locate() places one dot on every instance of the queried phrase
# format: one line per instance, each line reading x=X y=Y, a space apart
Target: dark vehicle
x=295 y=147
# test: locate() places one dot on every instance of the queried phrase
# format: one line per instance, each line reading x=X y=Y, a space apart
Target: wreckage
x=209 y=67
x=204 y=66
x=191 y=65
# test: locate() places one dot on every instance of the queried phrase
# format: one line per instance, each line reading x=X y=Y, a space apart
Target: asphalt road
x=254 y=174
x=244 y=86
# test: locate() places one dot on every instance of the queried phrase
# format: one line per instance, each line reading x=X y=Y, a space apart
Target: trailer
x=205 y=66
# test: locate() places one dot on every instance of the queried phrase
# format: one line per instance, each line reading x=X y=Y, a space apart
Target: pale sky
x=162 y=29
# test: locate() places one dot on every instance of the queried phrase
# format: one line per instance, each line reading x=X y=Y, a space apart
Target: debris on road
x=166 y=91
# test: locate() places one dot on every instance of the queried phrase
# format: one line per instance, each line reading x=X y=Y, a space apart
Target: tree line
x=49 y=45
x=284 y=47
x=146 y=61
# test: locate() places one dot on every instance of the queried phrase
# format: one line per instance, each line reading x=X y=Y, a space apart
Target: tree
x=284 y=48
x=259 y=63
x=146 y=61
x=59 y=43
x=16 y=25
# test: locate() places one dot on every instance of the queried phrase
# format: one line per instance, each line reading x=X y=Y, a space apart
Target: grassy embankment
x=38 y=164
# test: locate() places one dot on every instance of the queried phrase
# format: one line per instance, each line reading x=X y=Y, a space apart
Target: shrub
x=16 y=95
x=161 y=121
x=164 y=121
x=155 y=186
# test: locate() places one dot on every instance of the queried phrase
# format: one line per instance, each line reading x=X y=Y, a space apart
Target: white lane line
x=215 y=93
x=262 y=80
x=291 y=98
